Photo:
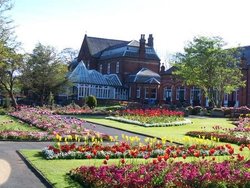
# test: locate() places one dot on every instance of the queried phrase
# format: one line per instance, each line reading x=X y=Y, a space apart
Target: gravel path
x=14 y=173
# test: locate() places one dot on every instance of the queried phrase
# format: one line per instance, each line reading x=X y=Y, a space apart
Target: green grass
x=55 y=171
x=174 y=133
x=11 y=123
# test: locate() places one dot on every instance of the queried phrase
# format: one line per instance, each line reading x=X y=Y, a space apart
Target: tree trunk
x=13 y=99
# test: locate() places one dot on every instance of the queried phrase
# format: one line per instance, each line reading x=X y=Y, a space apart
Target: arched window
x=195 y=96
x=167 y=94
x=117 y=68
x=180 y=93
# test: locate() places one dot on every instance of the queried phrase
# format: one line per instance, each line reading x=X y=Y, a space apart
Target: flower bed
x=151 y=117
x=56 y=124
x=127 y=150
x=235 y=138
x=235 y=112
x=163 y=174
x=25 y=135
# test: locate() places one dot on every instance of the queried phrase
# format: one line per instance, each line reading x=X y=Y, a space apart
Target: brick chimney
x=150 y=40
x=142 y=49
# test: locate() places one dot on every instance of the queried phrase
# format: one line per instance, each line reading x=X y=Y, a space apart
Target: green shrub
x=196 y=110
x=217 y=112
x=6 y=103
x=2 y=111
x=189 y=109
x=91 y=101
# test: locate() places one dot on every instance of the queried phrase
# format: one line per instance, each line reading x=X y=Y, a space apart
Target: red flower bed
x=126 y=150
x=151 y=117
x=152 y=112
x=163 y=174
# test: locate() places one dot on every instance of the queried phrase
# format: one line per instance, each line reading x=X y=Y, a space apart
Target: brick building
x=135 y=63
x=131 y=71
x=173 y=91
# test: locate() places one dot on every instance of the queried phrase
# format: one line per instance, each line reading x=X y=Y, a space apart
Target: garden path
x=15 y=173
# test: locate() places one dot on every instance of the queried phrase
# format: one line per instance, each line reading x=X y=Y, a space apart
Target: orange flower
x=211 y=151
x=123 y=161
x=231 y=151
x=197 y=154
x=159 y=158
x=107 y=157
x=166 y=157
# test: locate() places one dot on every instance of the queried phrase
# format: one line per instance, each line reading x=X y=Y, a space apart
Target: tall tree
x=207 y=65
x=10 y=60
x=10 y=63
x=67 y=55
x=43 y=73
x=6 y=28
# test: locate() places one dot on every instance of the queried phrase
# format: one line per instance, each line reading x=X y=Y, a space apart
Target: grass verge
x=55 y=171
x=13 y=124
x=175 y=133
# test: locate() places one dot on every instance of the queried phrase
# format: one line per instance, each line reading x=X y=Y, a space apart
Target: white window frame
x=166 y=92
x=237 y=98
x=138 y=92
x=225 y=100
x=117 y=68
x=108 y=68
x=100 y=68
x=155 y=93
x=178 y=93
x=193 y=89
x=148 y=90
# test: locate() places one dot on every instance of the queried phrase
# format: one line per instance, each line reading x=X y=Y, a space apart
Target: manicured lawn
x=56 y=170
x=175 y=133
x=11 y=123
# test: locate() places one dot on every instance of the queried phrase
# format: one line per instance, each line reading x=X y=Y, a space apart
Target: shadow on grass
x=72 y=182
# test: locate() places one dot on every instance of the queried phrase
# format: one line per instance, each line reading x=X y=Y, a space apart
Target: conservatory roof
x=84 y=76
x=145 y=76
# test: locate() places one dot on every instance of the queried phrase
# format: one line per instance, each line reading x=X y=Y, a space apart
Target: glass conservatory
x=91 y=82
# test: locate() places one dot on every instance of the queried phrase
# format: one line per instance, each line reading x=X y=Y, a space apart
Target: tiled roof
x=145 y=76
x=96 y=45
x=170 y=70
x=110 y=48
x=245 y=53
x=128 y=50
x=84 y=76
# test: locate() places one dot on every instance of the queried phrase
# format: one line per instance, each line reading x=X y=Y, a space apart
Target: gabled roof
x=113 y=79
x=96 y=45
x=80 y=74
x=170 y=70
x=145 y=76
x=84 y=76
x=110 y=48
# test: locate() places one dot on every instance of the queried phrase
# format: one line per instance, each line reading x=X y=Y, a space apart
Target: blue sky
x=63 y=23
